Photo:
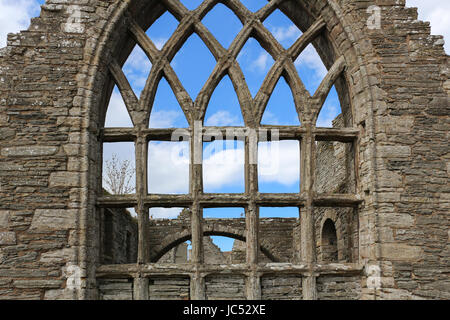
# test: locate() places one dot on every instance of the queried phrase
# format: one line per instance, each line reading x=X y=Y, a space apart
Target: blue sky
x=223 y=163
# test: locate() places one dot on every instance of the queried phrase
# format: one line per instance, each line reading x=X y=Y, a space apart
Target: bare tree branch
x=119 y=175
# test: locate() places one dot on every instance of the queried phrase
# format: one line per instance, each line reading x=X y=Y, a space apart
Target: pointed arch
x=120 y=10
x=329 y=242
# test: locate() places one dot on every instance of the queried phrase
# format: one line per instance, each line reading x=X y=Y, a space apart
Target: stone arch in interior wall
x=329 y=242
x=172 y=241
x=330 y=215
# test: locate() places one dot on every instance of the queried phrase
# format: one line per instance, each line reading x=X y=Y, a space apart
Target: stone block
x=29 y=151
x=396 y=220
x=7 y=238
x=58 y=256
x=394 y=151
x=35 y=284
x=4 y=219
x=400 y=252
x=64 y=179
x=54 y=219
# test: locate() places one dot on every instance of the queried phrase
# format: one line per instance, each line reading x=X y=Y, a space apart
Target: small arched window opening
x=329 y=242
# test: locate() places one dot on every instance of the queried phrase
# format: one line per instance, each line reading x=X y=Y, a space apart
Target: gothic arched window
x=174 y=110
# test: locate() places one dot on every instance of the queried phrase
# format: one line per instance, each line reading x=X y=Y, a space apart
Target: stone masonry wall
x=276 y=236
x=119 y=237
x=335 y=172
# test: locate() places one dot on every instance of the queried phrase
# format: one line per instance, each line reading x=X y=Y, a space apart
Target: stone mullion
x=197 y=286
x=308 y=243
x=251 y=190
x=141 y=284
x=252 y=215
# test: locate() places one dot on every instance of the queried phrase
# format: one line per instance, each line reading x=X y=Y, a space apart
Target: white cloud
x=137 y=68
x=223 y=118
x=327 y=115
x=286 y=33
x=168 y=167
x=269 y=118
x=279 y=162
x=15 y=16
x=223 y=166
x=261 y=63
x=117 y=114
x=311 y=59
x=165 y=213
x=438 y=13
x=159 y=42
x=164 y=119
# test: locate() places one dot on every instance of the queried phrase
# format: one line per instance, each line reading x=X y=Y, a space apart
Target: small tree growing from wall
x=118 y=175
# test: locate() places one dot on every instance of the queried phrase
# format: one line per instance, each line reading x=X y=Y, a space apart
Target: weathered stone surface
x=33 y=284
x=65 y=179
x=398 y=251
x=59 y=294
x=7 y=238
x=54 y=219
x=394 y=151
x=4 y=219
x=58 y=256
x=29 y=151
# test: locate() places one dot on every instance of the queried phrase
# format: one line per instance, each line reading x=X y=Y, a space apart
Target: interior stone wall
x=276 y=235
x=119 y=242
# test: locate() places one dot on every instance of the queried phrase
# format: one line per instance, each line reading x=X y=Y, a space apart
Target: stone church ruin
x=374 y=200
